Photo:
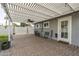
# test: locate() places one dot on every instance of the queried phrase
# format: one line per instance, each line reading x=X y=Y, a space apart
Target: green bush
x=5 y=43
x=3 y=38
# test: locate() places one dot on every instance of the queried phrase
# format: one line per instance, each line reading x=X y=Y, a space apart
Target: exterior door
x=64 y=29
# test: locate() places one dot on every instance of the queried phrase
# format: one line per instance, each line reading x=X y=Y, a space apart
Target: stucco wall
x=23 y=30
x=53 y=26
x=75 y=29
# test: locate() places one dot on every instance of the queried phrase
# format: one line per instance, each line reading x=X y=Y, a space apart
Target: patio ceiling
x=21 y=12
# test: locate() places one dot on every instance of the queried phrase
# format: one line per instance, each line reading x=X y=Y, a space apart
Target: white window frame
x=46 y=26
x=69 y=18
x=36 y=26
x=39 y=26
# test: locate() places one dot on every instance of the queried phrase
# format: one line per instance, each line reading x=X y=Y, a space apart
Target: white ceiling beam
x=27 y=14
x=25 y=20
x=21 y=16
x=48 y=9
x=32 y=10
x=30 y=13
x=69 y=6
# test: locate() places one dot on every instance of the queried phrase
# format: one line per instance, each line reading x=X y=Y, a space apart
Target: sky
x=2 y=15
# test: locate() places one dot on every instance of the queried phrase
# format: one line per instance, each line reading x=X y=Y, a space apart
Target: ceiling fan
x=29 y=20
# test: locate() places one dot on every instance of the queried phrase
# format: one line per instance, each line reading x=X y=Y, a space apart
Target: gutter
x=58 y=17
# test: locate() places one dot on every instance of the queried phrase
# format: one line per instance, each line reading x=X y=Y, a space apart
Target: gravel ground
x=30 y=45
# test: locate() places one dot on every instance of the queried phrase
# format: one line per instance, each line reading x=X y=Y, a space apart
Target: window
x=64 y=29
x=46 y=24
x=38 y=26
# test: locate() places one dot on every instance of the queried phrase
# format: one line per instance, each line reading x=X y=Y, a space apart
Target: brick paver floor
x=30 y=45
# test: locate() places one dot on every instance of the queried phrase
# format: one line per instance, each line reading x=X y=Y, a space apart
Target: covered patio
x=27 y=44
x=31 y=45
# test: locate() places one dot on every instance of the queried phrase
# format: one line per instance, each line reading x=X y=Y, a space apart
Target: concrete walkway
x=30 y=45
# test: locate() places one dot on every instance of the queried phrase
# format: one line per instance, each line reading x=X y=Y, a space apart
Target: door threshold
x=63 y=42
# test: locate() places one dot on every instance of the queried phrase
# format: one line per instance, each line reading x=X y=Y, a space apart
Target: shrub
x=3 y=38
x=5 y=44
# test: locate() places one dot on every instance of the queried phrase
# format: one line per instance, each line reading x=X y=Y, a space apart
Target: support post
x=10 y=33
x=27 y=30
x=9 y=39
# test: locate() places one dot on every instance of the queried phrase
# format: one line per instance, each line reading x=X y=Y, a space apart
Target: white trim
x=70 y=31
x=58 y=30
x=9 y=32
x=69 y=18
x=39 y=26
